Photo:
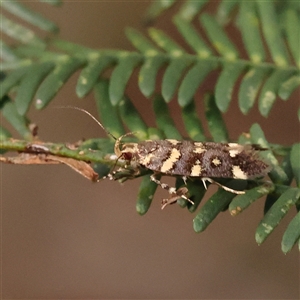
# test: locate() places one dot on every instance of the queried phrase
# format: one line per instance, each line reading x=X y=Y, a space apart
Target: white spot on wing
x=168 y=164
x=238 y=173
x=196 y=171
x=199 y=148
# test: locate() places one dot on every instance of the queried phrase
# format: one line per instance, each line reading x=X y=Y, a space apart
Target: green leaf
x=145 y=195
x=295 y=162
x=192 y=123
x=209 y=211
x=275 y=214
x=272 y=32
x=291 y=235
x=132 y=119
x=270 y=89
x=165 y=42
x=291 y=21
x=288 y=86
x=120 y=76
x=190 y=9
x=192 y=80
x=192 y=37
x=141 y=43
x=163 y=119
x=241 y=202
x=172 y=76
x=158 y=7
x=56 y=79
x=218 y=37
x=148 y=73
x=215 y=121
x=90 y=74
x=225 y=8
x=19 y=122
x=249 y=88
x=248 y=23
x=26 y=14
x=29 y=85
x=20 y=33
x=108 y=113
x=225 y=84
x=197 y=191
x=12 y=79
x=7 y=53
x=277 y=174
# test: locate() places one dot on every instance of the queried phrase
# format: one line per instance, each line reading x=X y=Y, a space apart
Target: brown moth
x=189 y=159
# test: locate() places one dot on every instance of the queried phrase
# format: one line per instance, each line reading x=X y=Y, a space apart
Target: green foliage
x=33 y=71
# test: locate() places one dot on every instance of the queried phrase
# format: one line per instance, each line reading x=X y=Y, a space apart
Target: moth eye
x=127 y=155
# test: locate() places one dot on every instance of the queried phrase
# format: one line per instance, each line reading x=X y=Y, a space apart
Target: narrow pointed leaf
x=295 y=162
x=275 y=214
x=90 y=74
x=12 y=80
x=272 y=32
x=172 y=76
x=20 y=33
x=192 y=123
x=145 y=195
x=225 y=84
x=197 y=191
x=225 y=8
x=277 y=174
x=218 y=37
x=291 y=21
x=140 y=42
x=190 y=9
x=121 y=75
x=158 y=7
x=132 y=119
x=192 y=37
x=108 y=113
x=270 y=89
x=29 y=85
x=270 y=200
x=7 y=53
x=215 y=121
x=19 y=122
x=209 y=211
x=163 y=119
x=56 y=79
x=165 y=42
x=28 y=15
x=72 y=48
x=287 y=87
x=148 y=73
x=192 y=80
x=291 y=235
x=241 y=202
x=250 y=86
x=248 y=23
x=287 y=167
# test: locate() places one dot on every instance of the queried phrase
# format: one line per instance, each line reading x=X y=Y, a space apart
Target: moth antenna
x=90 y=115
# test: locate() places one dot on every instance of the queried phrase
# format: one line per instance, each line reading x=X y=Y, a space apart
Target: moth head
x=125 y=150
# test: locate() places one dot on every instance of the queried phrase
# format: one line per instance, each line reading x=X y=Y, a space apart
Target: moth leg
x=175 y=194
x=220 y=185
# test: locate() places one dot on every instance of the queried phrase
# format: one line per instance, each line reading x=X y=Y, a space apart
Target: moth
x=189 y=159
